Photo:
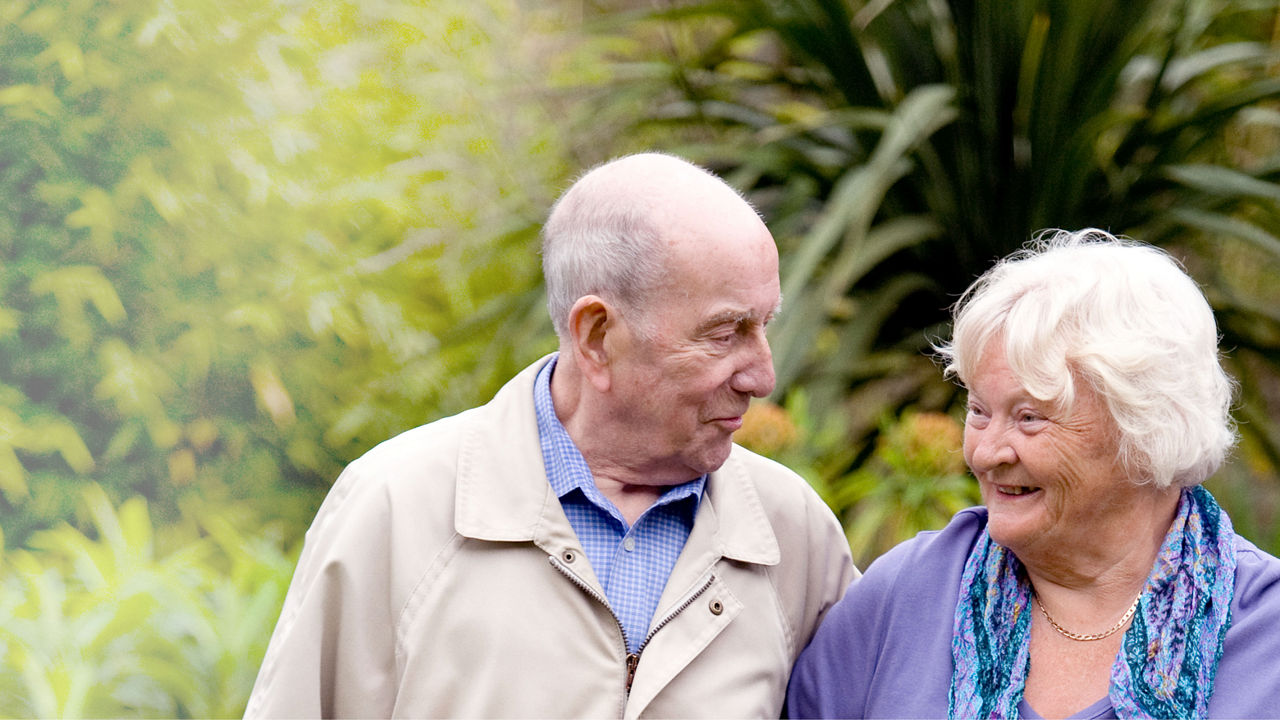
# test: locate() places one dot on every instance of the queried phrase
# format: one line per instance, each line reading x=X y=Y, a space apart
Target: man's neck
x=631 y=500
x=633 y=490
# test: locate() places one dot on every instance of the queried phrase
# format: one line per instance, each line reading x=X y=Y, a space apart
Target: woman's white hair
x=1122 y=316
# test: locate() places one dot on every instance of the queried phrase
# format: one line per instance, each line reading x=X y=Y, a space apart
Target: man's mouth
x=732 y=423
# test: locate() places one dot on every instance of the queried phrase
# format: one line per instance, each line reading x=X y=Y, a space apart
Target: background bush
x=240 y=243
x=898 y=148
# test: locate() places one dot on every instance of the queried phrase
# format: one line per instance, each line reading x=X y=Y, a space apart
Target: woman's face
x=1052 y=483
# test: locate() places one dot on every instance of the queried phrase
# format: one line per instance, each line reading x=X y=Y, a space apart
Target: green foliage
x=242 y=242
x=898 y=148
x=914 y=480
x=110 y=624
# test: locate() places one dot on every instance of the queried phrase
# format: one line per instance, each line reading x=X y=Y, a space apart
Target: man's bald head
x=614 y=232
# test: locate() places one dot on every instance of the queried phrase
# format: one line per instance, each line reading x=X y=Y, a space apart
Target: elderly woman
x=1100 y=579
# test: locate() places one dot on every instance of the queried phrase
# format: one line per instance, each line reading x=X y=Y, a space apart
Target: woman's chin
x=1012 y=523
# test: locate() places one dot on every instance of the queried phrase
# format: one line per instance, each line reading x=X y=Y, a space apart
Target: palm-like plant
x=898 y=147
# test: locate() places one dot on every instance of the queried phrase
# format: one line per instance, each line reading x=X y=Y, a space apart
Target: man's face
x=683 y=387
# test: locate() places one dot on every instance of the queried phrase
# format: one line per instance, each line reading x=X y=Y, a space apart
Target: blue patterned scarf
x=1169 y=656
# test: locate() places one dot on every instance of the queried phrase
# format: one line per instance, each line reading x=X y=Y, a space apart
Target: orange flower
x=766 y=429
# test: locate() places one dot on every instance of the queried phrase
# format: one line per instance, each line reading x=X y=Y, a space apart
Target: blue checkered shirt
x=632 y=563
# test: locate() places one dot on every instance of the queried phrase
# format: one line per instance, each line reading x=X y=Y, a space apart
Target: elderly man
x=590 y=543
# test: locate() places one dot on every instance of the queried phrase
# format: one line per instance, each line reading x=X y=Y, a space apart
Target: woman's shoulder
x=1257 y=581
x=919 y=577
x=933 y=552
x=884 y=650
x=1248 y=679
x=926 y=566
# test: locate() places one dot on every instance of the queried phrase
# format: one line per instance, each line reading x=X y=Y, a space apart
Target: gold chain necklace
x=1096 y=636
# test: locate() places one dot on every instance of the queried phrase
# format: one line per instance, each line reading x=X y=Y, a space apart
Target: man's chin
x=712 y=458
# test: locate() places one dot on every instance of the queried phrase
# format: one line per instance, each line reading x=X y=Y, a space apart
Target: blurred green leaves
x=914 y=479
x=108 y=624
x=899 y=148
x=242 y=242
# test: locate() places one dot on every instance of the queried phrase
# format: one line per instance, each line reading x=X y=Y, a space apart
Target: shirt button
x=629 y=544
x=716 y=607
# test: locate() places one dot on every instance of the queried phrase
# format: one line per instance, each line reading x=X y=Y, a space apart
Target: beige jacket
x=441 y=579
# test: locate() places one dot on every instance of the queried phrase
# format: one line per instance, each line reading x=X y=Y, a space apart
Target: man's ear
x=591 y=319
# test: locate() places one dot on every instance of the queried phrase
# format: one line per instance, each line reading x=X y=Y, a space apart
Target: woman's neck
x=1086 y=588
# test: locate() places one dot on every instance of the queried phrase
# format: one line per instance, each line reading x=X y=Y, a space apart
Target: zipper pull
x=633 y=659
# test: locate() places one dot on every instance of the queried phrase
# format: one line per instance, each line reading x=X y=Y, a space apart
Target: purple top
x=884 y=651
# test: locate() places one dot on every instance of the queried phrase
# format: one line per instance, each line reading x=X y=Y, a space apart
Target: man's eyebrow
x=725 y=317
x=734 y=317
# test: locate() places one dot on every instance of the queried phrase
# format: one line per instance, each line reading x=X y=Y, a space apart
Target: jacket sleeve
x=333 y=650
x=832 y=570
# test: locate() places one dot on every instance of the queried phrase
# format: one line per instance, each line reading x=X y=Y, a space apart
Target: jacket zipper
x=689 y=600
x=632 y=658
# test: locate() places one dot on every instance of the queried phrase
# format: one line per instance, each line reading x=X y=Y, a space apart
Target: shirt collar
x=505 y=497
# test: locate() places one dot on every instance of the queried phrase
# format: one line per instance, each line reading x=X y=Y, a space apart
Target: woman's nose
x=988 y=448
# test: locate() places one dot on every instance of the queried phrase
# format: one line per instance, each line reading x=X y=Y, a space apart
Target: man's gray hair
x=604 y=237
x=1122 y=316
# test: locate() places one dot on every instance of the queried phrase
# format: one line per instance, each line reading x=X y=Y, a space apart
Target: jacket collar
x=503 y=494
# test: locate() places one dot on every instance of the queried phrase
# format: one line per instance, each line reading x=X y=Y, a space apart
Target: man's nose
x=755 y=376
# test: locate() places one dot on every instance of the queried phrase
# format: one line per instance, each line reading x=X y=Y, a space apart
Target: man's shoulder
x=440 y=441
x=422 y=442
x=412 y=469
x=790 y=502
x=796 y=516
x=772 y=479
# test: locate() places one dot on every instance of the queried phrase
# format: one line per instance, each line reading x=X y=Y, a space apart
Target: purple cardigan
x=884 y=651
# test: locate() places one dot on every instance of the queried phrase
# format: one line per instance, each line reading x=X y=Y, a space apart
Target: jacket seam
x=781 y=609
x=438 y=562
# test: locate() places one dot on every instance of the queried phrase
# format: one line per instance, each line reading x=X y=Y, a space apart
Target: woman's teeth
x=1014 y=489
